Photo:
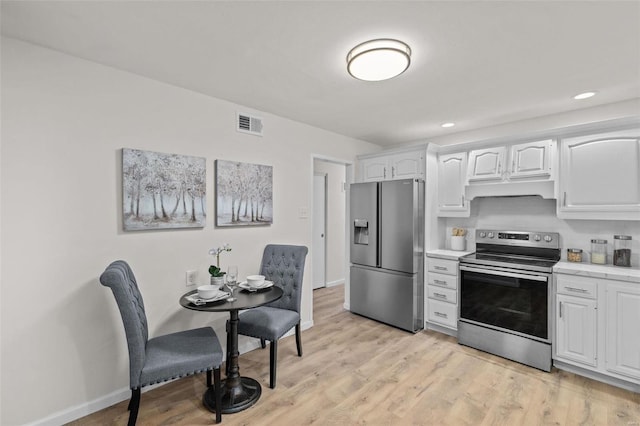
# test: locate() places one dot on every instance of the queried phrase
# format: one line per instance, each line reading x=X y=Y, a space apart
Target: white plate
x=246 y=286
x=194 y=298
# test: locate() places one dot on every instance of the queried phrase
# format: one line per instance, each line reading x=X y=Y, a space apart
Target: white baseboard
x=76 y=412
x=335 y=282
x=613 y=381
x=81 y=410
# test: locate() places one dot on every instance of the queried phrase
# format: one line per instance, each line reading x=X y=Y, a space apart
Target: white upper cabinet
x=374 y=169
x=402 y=165
x=531 y=160
x=511 y=170
x=600 y=176
x=407 y=165
x=486 y=164
x=452 y=170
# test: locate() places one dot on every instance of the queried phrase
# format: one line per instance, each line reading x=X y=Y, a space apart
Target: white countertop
x=598 y=271
x=447 y=254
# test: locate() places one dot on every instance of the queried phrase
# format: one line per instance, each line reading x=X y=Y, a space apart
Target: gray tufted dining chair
x=284 y=265
x=161 y=358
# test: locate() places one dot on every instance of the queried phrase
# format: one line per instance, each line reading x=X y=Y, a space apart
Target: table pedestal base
x=236 y=398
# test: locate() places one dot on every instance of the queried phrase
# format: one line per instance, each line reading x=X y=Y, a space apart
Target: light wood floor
x=356 y=371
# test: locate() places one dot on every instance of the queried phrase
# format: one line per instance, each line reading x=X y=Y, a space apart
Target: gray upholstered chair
x=161 y=358
x=284 y=265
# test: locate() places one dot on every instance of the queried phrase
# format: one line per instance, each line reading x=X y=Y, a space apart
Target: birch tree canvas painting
x=163 y=190
x=244 y=194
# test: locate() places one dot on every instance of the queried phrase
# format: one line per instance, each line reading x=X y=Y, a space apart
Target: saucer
x=246 y=286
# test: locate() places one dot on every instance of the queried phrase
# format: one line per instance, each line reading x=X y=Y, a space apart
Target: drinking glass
x=232 y=282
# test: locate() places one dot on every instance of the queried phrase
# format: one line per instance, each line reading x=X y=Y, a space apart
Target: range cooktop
x=522 y=250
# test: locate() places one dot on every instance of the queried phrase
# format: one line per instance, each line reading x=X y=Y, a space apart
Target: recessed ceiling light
x=379 y=59
x=584 y=95
x=445 y=125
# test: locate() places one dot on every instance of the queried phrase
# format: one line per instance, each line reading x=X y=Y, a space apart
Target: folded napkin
x=195 y=299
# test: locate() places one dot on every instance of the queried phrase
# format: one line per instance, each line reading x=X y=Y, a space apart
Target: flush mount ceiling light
x=445 y=125
x=584 y=95
x=379 y=59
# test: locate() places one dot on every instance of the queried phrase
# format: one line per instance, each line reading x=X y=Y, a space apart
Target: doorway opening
x=329 y=257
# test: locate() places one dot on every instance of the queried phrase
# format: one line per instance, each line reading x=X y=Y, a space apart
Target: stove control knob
x=483 y=234
x=490 y=235
x=537 y=237
x=548 y=238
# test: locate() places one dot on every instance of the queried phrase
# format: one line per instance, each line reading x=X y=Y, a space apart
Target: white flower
x=216 y=252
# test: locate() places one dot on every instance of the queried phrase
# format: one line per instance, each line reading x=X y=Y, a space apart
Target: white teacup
x=255 y=280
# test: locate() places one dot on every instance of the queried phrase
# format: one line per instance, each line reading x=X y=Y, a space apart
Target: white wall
x=335 y=220
x=537 y=214
x=64 y=123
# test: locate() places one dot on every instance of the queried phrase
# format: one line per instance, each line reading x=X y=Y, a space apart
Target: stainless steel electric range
x=506 y=295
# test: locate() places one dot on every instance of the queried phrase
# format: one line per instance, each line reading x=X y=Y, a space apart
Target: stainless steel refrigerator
x=387 y=252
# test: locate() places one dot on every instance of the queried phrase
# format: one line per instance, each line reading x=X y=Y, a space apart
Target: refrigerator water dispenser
x=361 y=231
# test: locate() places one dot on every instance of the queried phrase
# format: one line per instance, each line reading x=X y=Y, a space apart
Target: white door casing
x=319 y=230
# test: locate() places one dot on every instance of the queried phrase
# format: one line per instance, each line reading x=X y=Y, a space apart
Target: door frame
x=349 y=178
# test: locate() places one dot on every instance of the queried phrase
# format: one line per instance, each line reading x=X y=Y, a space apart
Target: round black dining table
x=238 y=393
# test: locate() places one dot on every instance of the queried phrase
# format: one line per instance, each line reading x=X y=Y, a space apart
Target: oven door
x=509 y=300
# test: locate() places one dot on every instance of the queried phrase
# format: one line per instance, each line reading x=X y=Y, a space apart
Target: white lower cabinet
x=622 y=327
x=442 y=293
x=598 y=327
x=443 y=313
x=576 y=329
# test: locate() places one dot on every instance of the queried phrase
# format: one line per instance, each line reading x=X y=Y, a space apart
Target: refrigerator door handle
x=379 y=226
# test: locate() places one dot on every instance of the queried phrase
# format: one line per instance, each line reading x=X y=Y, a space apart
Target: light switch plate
x=192 y=278
x=303 y=212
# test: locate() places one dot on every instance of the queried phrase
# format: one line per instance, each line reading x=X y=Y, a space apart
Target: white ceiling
x=478 y=63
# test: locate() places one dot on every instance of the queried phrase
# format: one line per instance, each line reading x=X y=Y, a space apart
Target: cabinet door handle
x=384 y=172
x=440 y=295
x=440 y=268
x=577 y=290
x=560 y=309
x=393 y=171
x=441 y=282
x=564 y=199
x=462 y=201
x=439 y=314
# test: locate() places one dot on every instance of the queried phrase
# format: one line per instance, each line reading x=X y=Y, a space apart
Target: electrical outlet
x=192 y=278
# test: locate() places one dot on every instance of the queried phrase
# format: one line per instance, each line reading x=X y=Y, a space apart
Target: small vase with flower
x=217 y=275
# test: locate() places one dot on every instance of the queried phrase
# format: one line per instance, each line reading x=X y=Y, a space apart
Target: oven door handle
x=503 y=273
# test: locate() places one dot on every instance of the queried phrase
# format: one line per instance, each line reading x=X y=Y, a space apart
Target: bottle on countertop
x=599 y=251
x=622 y=250
x=574 y=255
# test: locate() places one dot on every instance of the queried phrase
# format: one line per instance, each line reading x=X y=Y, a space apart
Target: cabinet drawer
x=577 y=286
x=442 y=266
x=443 y=313
x=442 y=280
x=442 y=294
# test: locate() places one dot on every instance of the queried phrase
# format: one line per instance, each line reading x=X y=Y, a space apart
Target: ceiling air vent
x=249 y=124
